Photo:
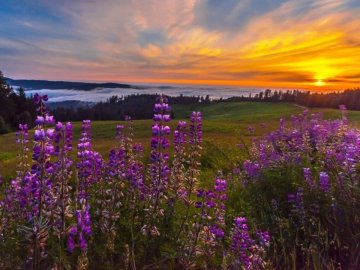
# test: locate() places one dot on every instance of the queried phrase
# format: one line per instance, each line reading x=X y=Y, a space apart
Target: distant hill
x=43 y=84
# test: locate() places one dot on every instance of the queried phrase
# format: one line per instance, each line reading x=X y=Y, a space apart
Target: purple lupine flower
x=68 y=136
x=82 y=242
x=159 y=167
x=218 y=232
x=22 y=135
x=22 y=138
x=58 y=126
x=61 y=171
x=86 y=225
x=73 y=231
x=220 y=185
x=196 y=128
x=213 y=207
x=308 y=178
x=297 y=201
x=82 y=231
x=37 y=98
x=246 y=252
x=208 y=228
x=70 y=243
x=29 y=196
x=219 y=196
x=179 y=134
x=40 y=120
x=50 y=133
x=43 y=149
x=117 y=156
x=90 y=163
x=198 y=204
x=159 y=141
x=264 y=238
x=324 y=182
x=195 y=141
x=252 y=169
x=178 y=173
x=49 y=119
x=241 y=243
x=39 y=135
x=200 y=192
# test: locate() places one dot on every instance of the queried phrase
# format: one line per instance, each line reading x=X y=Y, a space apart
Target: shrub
x=302 y=183
x=120 y=212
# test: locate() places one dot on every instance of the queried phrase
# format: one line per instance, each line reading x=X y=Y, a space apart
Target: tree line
x=16 y=108
x=138 y=106
x=350 y=98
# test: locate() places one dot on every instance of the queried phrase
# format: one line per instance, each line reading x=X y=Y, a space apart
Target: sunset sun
x=319 y=83
x=207 y=42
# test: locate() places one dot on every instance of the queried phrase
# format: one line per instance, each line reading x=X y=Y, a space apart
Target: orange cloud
x=298 y=44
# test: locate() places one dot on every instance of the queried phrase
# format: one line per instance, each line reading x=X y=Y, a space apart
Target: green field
x=225 y=125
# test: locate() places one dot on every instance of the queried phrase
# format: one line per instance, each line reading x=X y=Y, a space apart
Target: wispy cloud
x=256 y=43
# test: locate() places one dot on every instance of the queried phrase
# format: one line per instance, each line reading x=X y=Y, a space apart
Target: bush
x=291 y=203
x=120 y=212
x=302 y=183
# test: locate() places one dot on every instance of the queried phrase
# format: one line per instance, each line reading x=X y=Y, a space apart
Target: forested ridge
x=16 y=108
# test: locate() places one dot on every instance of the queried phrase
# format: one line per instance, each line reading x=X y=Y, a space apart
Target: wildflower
x=308 y=179
x=39 y=135
x=324 y=182
x=196 y=128
x=70 y=244
x=241 y=243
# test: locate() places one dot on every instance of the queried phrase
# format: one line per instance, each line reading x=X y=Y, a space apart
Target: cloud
x=255 y=43
x=231 y=15
x=97 y=95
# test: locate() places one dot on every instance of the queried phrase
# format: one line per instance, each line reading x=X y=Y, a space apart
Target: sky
x=299 y=44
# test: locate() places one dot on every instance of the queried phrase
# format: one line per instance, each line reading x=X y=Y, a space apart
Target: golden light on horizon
x=319 y=83
x=318 y=48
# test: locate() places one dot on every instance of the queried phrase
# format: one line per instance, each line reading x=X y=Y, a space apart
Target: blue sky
x=248 y=42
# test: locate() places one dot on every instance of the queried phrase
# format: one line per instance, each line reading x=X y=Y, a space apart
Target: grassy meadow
x=225 y=125
x=290 y=202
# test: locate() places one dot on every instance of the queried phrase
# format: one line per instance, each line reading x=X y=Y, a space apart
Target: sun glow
x=316 y=49
x=319 y=83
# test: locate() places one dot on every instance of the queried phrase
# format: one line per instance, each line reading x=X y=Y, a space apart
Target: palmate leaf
x=35 y=236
